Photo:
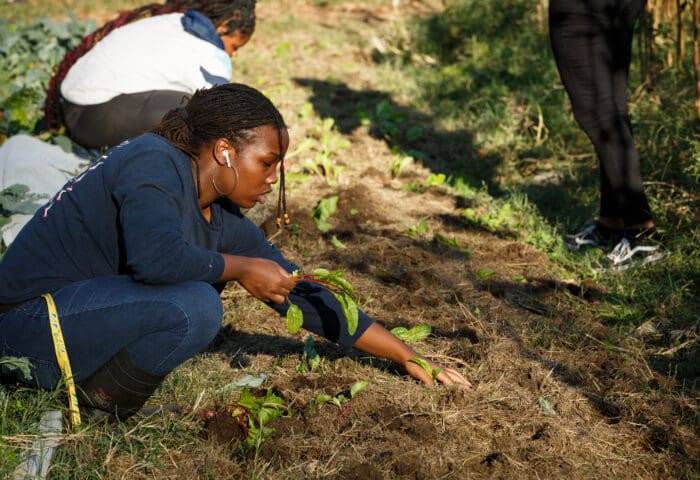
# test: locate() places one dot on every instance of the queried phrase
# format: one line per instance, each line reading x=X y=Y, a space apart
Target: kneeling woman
x=136 y=249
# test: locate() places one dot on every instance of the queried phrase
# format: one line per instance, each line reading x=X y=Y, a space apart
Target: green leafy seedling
x=341 y=400
x=412 y=335
x=453 y=243
x=337 y=243
x=255 y=412
x=485 y=273
x=310 y=360
x=419 y=230
x=339 y=288
x=324 y=210
x=433 y=372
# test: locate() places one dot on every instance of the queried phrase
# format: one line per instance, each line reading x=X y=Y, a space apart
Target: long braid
x=237 y=15
x=229 y=111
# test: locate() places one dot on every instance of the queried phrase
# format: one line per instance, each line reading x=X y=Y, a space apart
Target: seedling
x=485 y=273
x=310 y=359
x=433 y=372
x=324 y=210
x=254 y=413
x=413 y=335
x=341 y=400
x=454 y=243
x=419 y=230
x=435 y=179
x=401 y=163
x=330 y=143
x=337 y=243
x=338 y=286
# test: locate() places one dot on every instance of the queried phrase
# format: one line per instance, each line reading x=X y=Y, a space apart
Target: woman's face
x=256 y=164
x=233 y=41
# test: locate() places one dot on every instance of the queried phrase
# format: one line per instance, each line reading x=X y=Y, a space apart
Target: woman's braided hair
x=236 y=15
x=230 y=111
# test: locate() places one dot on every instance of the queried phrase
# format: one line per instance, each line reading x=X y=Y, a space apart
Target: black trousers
x=592 y=45
x=125 y=116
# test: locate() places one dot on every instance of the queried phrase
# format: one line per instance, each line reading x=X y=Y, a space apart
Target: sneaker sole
x=633 y=263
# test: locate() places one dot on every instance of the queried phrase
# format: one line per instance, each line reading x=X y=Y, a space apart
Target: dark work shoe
x=636 y=248
x=118 y=389
x=593 y=235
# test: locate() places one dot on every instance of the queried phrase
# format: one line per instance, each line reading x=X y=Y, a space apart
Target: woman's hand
x=264 y=279
x=380 y=342
x=447 y=376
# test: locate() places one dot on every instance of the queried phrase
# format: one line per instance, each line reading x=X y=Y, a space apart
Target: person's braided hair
x=236 y=15
x=228 y=111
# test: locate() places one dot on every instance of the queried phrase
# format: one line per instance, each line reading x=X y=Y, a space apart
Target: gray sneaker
x=593 y=235
x=633 y=251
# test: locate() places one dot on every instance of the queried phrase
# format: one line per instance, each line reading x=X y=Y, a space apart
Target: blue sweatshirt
x=134 y=211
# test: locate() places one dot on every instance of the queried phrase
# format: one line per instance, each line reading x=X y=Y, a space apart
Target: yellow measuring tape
x=62 y=359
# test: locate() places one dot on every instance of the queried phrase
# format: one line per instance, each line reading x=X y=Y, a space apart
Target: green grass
x=487 y=73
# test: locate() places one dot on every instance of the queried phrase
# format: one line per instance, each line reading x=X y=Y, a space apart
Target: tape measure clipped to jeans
x=62 y=359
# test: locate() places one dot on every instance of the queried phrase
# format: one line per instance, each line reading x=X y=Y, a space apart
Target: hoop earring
x=235 y=183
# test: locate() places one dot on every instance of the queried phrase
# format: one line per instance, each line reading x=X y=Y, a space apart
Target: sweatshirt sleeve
x=322 y=312
x=150 y=196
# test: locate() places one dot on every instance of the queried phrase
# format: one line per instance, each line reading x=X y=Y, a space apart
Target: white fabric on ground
x=42 y=167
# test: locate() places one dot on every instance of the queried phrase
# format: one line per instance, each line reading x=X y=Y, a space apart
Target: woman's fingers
x=450 y=376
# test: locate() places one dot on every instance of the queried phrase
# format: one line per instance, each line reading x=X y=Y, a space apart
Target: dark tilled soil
x=552 y=398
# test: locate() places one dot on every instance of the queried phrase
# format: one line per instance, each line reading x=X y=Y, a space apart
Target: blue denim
x=161 y=326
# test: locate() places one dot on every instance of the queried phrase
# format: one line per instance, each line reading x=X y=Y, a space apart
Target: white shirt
x=155 y=53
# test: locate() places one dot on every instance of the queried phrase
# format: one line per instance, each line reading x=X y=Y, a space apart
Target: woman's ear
x=224 y=153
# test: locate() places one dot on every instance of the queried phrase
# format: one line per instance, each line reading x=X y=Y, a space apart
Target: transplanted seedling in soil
x=253 y=413
x=341 y=399
x=338 y=286
x=310 y=359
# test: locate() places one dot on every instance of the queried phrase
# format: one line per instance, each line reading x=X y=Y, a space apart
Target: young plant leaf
x=245 y=381
x=295 y=318
x=357 y=387
x=413 y=335
x=323 y=398
x=337 y=243
x=485 y=272
x=433 y=372
x=17 y=363
x=349 y=307
x=310 y=360
x=339 y=288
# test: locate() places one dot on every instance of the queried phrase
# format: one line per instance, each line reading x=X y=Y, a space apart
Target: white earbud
x=228 y=160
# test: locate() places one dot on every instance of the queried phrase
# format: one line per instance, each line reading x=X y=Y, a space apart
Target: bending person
x=592 y=45
x=122 y=78
x=136 y=249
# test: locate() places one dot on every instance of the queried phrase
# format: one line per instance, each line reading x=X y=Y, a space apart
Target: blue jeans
x=161 y=326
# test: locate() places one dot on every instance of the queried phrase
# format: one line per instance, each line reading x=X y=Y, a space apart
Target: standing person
x=136 y=249
x=125 y=76
x=592 y=45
